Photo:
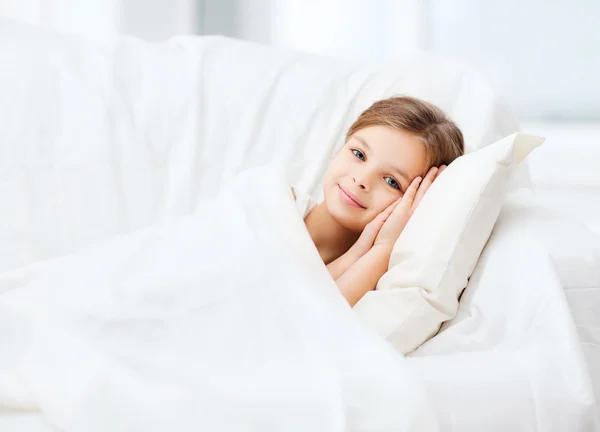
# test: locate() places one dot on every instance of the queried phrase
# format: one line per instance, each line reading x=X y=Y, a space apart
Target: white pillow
x=437 y=251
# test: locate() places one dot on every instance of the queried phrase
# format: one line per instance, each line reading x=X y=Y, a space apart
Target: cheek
x=382 y=198
x=335 y=169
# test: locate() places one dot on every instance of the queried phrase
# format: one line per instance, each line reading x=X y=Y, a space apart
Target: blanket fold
x=223 y=320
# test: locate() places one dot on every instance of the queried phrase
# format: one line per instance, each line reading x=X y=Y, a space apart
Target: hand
x=404 y=208
x=367 y=237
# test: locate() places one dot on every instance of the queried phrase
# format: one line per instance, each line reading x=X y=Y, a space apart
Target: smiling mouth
x=351 y=199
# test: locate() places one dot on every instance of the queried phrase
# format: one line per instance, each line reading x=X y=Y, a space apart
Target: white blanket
x=103 y=140
x=222 y=321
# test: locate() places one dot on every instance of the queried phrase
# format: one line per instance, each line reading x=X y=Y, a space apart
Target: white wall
x=155 y=20
x=96 y=19
x=543 y=55
x=105 y=19
x=358 y=29
x=255 y=20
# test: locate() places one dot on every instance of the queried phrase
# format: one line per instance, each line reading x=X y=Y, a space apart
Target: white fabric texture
x=136 y=334
x=438 y=249
x=565 y=174
x=566 y=185
x=98 y=141
x=304 y=203
x=102 y=140
x=574 y=251
x=510 y=360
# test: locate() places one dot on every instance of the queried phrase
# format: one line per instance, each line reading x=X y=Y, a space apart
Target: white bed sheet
x=511 y=359
x=566 y=179
x=564 y=172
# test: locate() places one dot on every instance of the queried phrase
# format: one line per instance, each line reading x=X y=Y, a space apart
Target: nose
x=361 y=181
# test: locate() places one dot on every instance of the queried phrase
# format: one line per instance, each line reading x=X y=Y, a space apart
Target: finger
x=383 y=216
x=441 y=170
x=409 y=196
x=427 y=181
x=392 y=206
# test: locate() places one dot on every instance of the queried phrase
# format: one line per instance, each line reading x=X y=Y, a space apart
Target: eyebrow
x=397 y=170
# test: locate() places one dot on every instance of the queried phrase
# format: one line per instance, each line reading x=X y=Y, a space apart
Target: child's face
x=372 y=170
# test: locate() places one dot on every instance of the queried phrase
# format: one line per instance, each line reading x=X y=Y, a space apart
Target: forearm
x=340 y=265
x=364 y=274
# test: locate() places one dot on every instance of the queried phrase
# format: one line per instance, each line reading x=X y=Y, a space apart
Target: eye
x=392 y=182
x=359 y=154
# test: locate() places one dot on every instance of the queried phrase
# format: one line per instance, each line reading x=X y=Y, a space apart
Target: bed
x=105 y=140
x=573 y=151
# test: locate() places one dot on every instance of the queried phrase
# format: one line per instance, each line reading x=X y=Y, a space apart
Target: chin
x=346 y=217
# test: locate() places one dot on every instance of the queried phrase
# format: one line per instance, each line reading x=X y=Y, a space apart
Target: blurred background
x=543 y=56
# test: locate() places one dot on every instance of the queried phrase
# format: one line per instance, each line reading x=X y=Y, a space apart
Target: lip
x=350 y=198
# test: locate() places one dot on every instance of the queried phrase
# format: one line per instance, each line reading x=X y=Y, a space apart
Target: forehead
x=402 y=149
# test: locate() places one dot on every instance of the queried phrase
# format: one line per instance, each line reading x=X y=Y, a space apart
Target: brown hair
x=442 y=138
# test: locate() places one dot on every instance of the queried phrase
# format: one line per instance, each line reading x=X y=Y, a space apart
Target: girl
x=393 y=153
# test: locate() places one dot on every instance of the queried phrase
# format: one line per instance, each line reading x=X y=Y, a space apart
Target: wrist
x=356 y=252
x=383 y=250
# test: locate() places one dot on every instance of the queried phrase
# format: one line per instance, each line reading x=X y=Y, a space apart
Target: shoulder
x=304 y=203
